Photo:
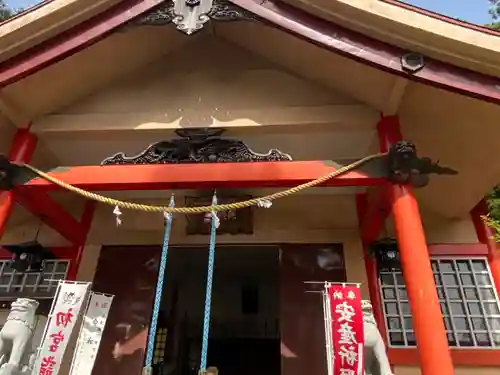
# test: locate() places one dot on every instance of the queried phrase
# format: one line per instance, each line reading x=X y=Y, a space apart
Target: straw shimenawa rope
x=202 y=209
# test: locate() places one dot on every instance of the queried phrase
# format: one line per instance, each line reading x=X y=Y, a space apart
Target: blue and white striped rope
x=208 y=296
x=159 y=288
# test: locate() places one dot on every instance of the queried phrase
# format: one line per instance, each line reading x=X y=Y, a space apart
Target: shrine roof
x=55 y=29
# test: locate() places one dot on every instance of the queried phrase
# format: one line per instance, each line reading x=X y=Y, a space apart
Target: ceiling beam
x=52 y=213
x=207 y=176
x=347 y=116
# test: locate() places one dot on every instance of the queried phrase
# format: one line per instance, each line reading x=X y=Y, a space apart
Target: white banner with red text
x=91 y=332
x=344 y=321
x=69 y=301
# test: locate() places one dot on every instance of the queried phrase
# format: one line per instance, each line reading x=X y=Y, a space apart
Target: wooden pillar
x=22 y=149
x=370 y=265
x=86 y=223
x=430 y=332
x=485 y=235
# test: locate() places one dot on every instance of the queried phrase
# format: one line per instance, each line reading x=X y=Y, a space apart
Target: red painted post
x=22 y=149
x=370 y=267
x=485 y=235
x=77 y=253
x=428 y=324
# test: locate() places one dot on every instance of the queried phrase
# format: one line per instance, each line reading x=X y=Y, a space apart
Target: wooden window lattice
x=468 y=299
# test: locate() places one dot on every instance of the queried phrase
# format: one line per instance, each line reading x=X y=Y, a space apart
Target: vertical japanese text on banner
x=347 y=329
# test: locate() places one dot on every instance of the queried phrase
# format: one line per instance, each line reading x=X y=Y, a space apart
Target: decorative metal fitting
x=8 y=172
x=406 y=168
x=412 y=62
x=190 y=16
x=200 y=145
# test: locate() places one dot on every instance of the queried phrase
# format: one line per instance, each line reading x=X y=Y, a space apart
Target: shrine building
x=144 y=100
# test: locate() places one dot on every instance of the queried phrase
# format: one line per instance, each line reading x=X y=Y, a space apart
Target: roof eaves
x=338 y=39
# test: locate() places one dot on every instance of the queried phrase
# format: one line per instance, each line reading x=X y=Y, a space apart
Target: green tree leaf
x=493 y=219
x=6 y=12
x=494 y=25
x=495 y=9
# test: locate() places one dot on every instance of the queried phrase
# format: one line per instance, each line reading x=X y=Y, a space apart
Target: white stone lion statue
x=16 y=351
x=375 y=356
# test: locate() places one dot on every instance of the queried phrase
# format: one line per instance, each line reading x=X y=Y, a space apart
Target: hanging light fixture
x=386 y=252
x=29 y=256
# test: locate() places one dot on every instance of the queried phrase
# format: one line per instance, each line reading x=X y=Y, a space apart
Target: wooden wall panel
x=301 y=313
x=128 y=272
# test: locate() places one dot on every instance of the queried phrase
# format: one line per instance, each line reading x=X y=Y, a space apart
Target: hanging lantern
x=386 y=252
x=29 y=256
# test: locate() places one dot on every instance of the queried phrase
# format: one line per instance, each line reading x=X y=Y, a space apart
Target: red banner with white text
x=347 y=329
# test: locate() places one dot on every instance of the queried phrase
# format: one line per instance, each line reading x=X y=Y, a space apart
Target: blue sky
x=475 y=11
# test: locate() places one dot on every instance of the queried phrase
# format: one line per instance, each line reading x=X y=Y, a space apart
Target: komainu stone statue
x=376 y=361
x=16 y=349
